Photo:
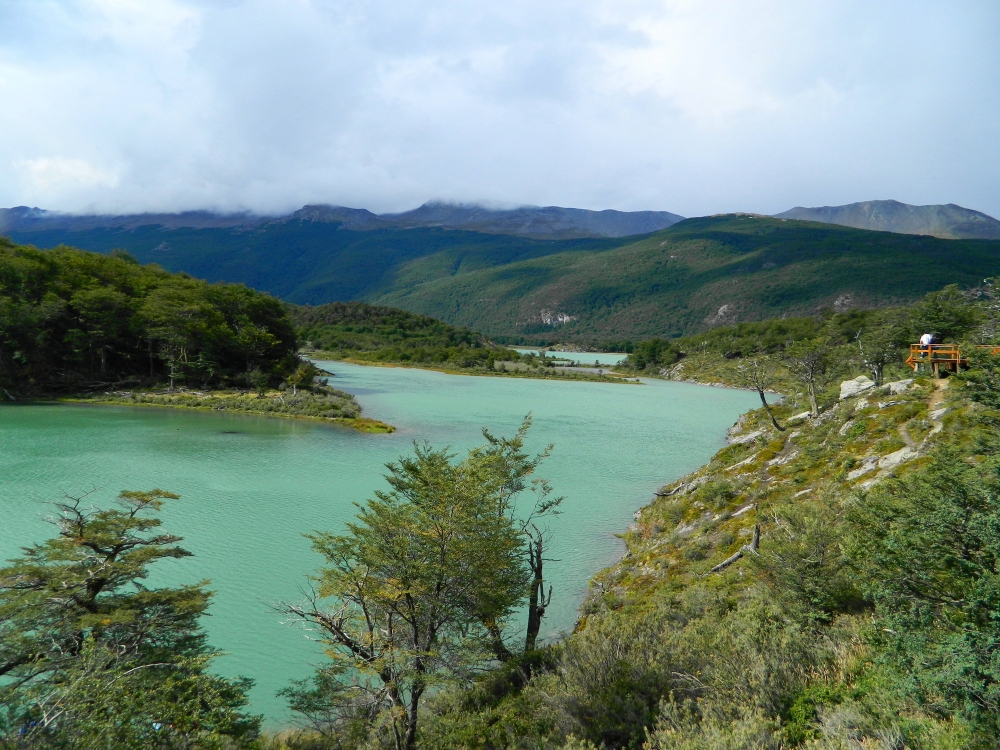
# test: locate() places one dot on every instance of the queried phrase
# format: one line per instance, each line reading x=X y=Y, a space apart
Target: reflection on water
x=251 y=486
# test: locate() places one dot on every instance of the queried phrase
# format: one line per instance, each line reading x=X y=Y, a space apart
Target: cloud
x=49 y=174
x=692 y=106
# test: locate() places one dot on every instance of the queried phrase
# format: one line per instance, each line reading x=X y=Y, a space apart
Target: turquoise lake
x=582 y=358
x=251 y=486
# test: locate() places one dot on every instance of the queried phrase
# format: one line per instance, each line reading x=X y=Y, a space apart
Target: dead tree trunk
x=537 y=599
x=752 y=548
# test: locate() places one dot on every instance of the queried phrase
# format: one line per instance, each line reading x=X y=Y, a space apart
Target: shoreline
x=581 y=376
x=148 y=399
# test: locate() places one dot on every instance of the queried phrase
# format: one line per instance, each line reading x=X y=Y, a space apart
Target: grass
x=323 y=404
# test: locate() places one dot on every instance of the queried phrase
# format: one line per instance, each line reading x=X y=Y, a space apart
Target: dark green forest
x=74 y=321
x=307 y=262
x=356 y=330
x=698 y=274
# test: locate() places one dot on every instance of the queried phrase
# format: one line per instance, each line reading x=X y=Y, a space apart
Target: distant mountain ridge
x=947 y=221
x=549 y=222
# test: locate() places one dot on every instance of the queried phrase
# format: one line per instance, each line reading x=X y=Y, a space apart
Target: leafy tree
x=422 y=585
x=90 y=657
x=948 y=314
x=653 y=354
x=879 y=347
x=982 y=378
x=927 y=549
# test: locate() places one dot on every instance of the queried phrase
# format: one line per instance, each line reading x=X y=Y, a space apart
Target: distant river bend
x=251 y=486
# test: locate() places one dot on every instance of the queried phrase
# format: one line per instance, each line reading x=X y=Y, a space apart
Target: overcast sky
x=688 y=106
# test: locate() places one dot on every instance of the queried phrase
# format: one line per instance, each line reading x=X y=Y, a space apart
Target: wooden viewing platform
x=941 y=357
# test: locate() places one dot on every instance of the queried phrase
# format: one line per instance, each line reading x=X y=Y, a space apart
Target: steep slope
x=697 y=274
x=948 y=221
x=309 y=261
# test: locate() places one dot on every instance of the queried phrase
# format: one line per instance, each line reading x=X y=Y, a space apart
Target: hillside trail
x=940 y=386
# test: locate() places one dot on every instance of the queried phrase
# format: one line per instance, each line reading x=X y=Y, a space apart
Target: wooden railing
x=941 y=356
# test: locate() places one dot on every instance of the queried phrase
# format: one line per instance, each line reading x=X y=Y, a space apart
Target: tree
x=423 y=584
x=86 y=650
x=927 y=552
x=810 y=362
x=511 y=469
x=878 y=346
x=947 y=313
x=757 y=373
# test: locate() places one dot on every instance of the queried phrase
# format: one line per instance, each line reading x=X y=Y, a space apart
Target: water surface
x=582 y=358
x=251 y=486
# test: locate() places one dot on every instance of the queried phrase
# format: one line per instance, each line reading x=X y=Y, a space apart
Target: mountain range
x=550 y=222
x=948 y=222
x=511 y=275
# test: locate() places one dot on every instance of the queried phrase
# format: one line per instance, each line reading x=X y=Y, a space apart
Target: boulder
x=899 y=386
x=850 y=388
x=896 y=458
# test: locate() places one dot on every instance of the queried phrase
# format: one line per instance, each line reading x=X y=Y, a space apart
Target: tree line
x=75 y=321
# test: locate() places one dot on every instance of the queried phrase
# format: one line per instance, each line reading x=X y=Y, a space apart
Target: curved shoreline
x=359 y=423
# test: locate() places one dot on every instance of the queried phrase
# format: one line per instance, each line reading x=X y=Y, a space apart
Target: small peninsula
x=101 y=329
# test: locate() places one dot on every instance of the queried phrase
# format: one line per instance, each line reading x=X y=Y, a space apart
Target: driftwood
x=752 y=548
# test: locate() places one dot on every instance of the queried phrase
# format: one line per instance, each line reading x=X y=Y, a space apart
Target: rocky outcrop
x=853 y=387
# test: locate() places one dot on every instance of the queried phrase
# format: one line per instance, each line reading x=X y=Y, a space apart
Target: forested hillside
x=78 y=321
x=355 y=330
x=312 y=262
x=695 y=275
x=698 y=274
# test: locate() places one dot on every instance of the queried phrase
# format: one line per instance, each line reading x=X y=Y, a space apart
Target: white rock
x=887 y=404
x=937 y=413
x=745 y=438
x=782 y=459
x=797 y=417
x=744 y=509
x=850 y=388
x=899 y=386
x=867 y=464
x=845 y=427
x=896 y=458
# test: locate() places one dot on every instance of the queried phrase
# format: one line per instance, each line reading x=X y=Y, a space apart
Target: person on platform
x=925 y=342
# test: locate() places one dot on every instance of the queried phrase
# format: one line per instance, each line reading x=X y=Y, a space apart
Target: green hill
x=312 y=262
x=693 y=276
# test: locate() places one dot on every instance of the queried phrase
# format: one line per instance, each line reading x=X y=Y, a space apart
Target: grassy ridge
x=698 y=274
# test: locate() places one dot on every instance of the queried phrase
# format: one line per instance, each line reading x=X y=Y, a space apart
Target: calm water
x=251 y=486
x=582 y=358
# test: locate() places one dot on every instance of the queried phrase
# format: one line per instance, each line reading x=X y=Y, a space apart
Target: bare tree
x=758 y=373
x=810 y=362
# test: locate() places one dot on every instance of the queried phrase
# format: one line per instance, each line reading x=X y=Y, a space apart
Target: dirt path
x=940 y=385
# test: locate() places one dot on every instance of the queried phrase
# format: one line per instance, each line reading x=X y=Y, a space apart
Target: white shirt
x=926 y=339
